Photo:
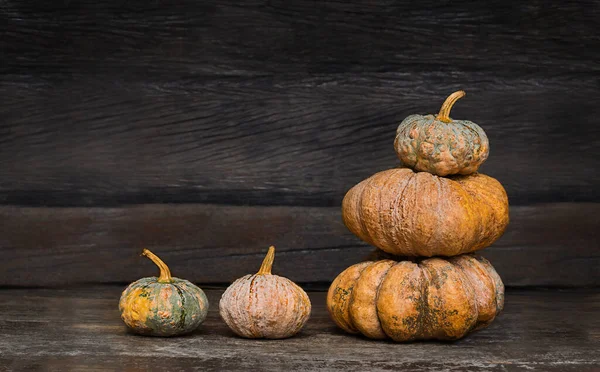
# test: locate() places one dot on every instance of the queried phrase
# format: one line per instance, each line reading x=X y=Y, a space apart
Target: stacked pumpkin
x=427 y=216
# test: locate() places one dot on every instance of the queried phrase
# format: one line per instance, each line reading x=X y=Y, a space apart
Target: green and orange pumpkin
x=440 y=145
x=163 y=306
x=416 y=299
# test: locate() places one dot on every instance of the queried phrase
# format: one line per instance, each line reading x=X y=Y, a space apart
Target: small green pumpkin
x=163 y=306
x=440 y=145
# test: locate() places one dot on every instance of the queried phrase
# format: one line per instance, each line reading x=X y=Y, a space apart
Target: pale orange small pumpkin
x=433 y=298
x=419 y=214
x=264 y=305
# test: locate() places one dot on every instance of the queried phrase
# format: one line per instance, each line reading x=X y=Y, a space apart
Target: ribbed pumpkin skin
x=426 y=144
x=264 y=306
x=163 y=309
x=435 y=298
x=418 y=214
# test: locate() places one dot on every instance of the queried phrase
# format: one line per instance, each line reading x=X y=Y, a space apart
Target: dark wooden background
x=208 y=130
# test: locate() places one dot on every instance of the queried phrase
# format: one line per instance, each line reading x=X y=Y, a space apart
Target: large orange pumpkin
x=433 y=298
x=419 y=214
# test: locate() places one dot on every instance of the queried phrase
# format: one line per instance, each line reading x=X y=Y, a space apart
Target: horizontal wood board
x=285 y=140
x=286 y=102
x=244 y=106
x=233 y=38
x=60 y=330
x=545 y=245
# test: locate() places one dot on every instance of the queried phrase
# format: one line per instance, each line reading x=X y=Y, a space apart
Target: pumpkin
x=440 y=145
x=432 y=298
x=163 y=306
x=419 y=214
x=264 y=305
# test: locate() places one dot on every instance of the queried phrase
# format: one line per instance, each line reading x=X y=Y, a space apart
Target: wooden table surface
x=80 y=330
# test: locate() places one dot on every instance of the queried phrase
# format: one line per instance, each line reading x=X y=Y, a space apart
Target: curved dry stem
x=265 y=268
x=165 y=273
x=444 y=114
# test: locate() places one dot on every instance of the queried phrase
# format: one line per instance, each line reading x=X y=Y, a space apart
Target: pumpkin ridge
x=380 y=195
x=460 y=162
x=474 y=214
x=430 y=128
x=468 y=283
x=424 y=315
x=495 y=291
x=227 y=311
x=181 y=323
x=343 y=293
x=477 y=131
x=402 y=213
x=377 y=296
x=298 y=309
x=410 y=218
x=474 y=133
x=477 y=229
x=300 y=294
x=482 y=228
x=363 y=314
x=486 y=199
x=399 y=297
x=483 y=271
x=369 y=230
x=438 y=206
x=387 y=237
x=450 y=144
x=472 y=148
x=360 y=218
x=430 y=306
x=417 y=141
x=350 y=298
x=497 y=283
x=252 y=327
x=383 y=238
x=154 y=295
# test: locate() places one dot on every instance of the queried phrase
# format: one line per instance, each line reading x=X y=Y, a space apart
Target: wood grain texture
x=544 y=245
x=286 y=140
x=81 y=330
x=137 y=37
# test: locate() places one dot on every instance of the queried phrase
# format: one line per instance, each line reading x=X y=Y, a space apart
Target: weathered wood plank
x=545 y=245
x=81 y=330
x=138 y=37
x=287 y=140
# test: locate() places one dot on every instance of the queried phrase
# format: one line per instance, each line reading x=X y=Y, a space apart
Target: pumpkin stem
x=444 y=114
x=165 y=273
x=265 y=268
